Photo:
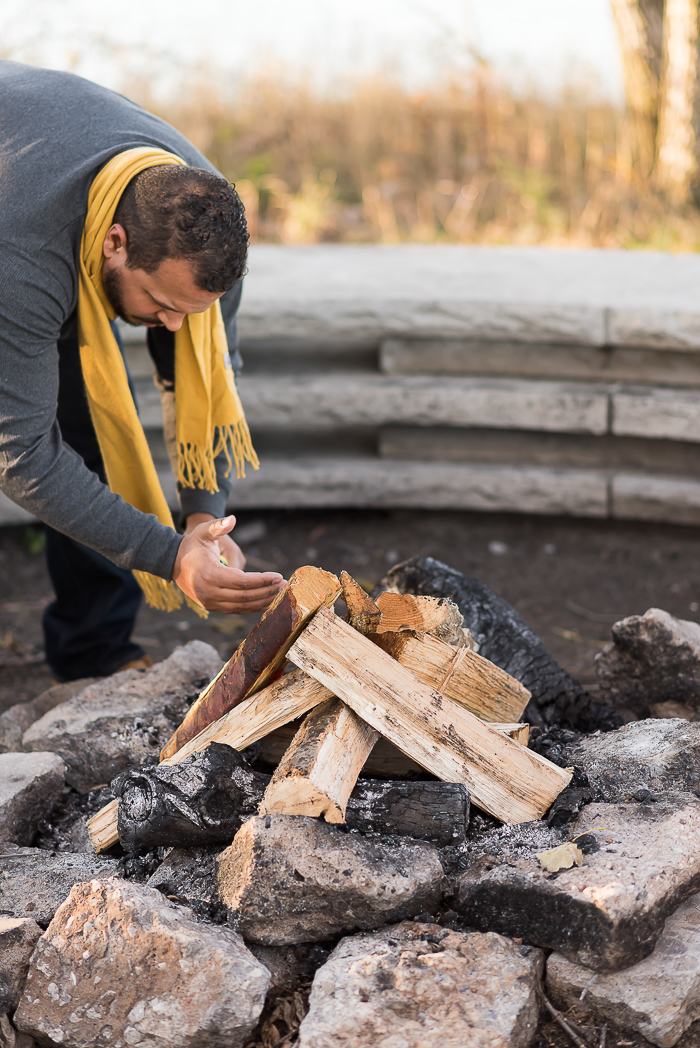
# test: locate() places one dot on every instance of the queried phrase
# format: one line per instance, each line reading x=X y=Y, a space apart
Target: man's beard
x=112 y=284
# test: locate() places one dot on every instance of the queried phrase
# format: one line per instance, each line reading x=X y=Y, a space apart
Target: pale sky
x=545 y=42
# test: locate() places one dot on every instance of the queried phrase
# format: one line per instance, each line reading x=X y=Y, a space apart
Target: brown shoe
x=142 y=663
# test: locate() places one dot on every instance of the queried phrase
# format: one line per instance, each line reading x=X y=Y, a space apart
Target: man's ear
x=115 y=242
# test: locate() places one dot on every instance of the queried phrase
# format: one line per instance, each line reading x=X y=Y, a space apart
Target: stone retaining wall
x=507 y=379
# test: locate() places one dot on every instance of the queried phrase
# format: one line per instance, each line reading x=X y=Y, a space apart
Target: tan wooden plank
x=261 y=654
x=505 y=779
x=319 y=770
x=463 y=676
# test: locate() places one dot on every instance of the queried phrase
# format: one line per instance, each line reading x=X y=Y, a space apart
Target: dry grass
x=466 y=162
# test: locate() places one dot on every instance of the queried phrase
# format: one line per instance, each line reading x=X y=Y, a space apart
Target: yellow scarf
x=209 y=414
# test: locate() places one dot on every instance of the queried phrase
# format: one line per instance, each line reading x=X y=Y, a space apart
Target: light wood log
x=464 y=676
x=505 y=779
x=403 y=612
x=288 y=698
x=319 y=770
x=363 y=613
x=384 y=762
x=261 y=654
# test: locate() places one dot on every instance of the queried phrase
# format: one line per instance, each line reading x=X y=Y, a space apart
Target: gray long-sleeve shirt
x=56 y=132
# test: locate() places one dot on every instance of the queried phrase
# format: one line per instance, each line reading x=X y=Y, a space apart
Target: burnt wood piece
x=261 y=654
x=429 y=811
x=505 y=779
x=288 y=698
x=506 y=639
x=320 y=767
x=204 y=799
x=363 y=613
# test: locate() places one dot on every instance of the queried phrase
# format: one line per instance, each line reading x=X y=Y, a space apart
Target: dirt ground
x=571 y=579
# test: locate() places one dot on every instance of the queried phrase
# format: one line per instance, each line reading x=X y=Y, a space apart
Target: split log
x=462 y=675
x=506 y=639
x=418 y=614
x=428 y=811
x=363 y=613
x=506 y=780
x=288 y=698
x=384 y=762
x=261 y=654
x=320 y=768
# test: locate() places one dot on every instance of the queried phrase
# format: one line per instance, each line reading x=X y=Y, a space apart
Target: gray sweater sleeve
x=37 y=470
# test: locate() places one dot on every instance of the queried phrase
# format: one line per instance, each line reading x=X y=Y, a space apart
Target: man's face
x=159 y=299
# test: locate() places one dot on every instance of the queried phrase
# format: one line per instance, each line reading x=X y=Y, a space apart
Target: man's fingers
x=217 y=528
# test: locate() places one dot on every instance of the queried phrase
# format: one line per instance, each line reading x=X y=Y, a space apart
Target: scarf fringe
x=195 y=465
x=165 y=595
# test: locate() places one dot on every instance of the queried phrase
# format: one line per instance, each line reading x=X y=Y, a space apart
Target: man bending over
x=106 y=212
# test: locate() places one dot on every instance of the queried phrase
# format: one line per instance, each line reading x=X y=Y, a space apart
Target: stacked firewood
x=399 y=670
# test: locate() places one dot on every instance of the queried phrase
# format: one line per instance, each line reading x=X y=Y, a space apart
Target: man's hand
x=199 y=573
x=235 y=557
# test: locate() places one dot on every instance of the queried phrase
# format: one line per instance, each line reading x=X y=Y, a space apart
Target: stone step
x=636 y=364
x=343 y=399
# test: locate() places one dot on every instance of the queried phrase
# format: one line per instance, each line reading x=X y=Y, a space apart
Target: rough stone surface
x=119 y=965
x=34 y=883
x=674 y=500
x=122 y=721
x=15 y=720
x=12 y=1038
x=641 y=861
x=292 y=879
x=651 y=755
x=659 y=997
x=418 y=985
x=379 y=400
x=30 y=785
x=653 y=658
x=18 y=937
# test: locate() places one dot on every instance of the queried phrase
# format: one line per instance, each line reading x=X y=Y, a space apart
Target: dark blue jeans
x=87 y=628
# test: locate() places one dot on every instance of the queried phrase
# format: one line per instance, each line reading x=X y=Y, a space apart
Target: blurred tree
x=660 y=45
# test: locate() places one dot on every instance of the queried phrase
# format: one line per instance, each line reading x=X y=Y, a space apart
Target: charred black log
x=207 y=797
x=429 y=811
x=203 y=799
x=506 y=639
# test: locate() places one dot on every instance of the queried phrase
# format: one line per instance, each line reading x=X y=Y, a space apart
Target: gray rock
x=292 y=879
x=659 y=997
x=417 y=985
x=284 y=963
x=30 y=785
x=122 y=721
x=651 y=755
x=34 y=883
x=11 y=1038
x=121 y=966
x=15 y=720
x=653 y=658
x=18 y=937
x=641 y=861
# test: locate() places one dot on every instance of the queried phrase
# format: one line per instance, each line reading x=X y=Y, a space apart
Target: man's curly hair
x=174 y=211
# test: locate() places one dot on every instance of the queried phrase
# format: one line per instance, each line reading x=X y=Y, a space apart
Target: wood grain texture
x=261 y=654
x=290 y=697
x=505 y=779
x=363 y=613
x=437 y=616
x=384 y=762
x=319 y=770
x=463 y=676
